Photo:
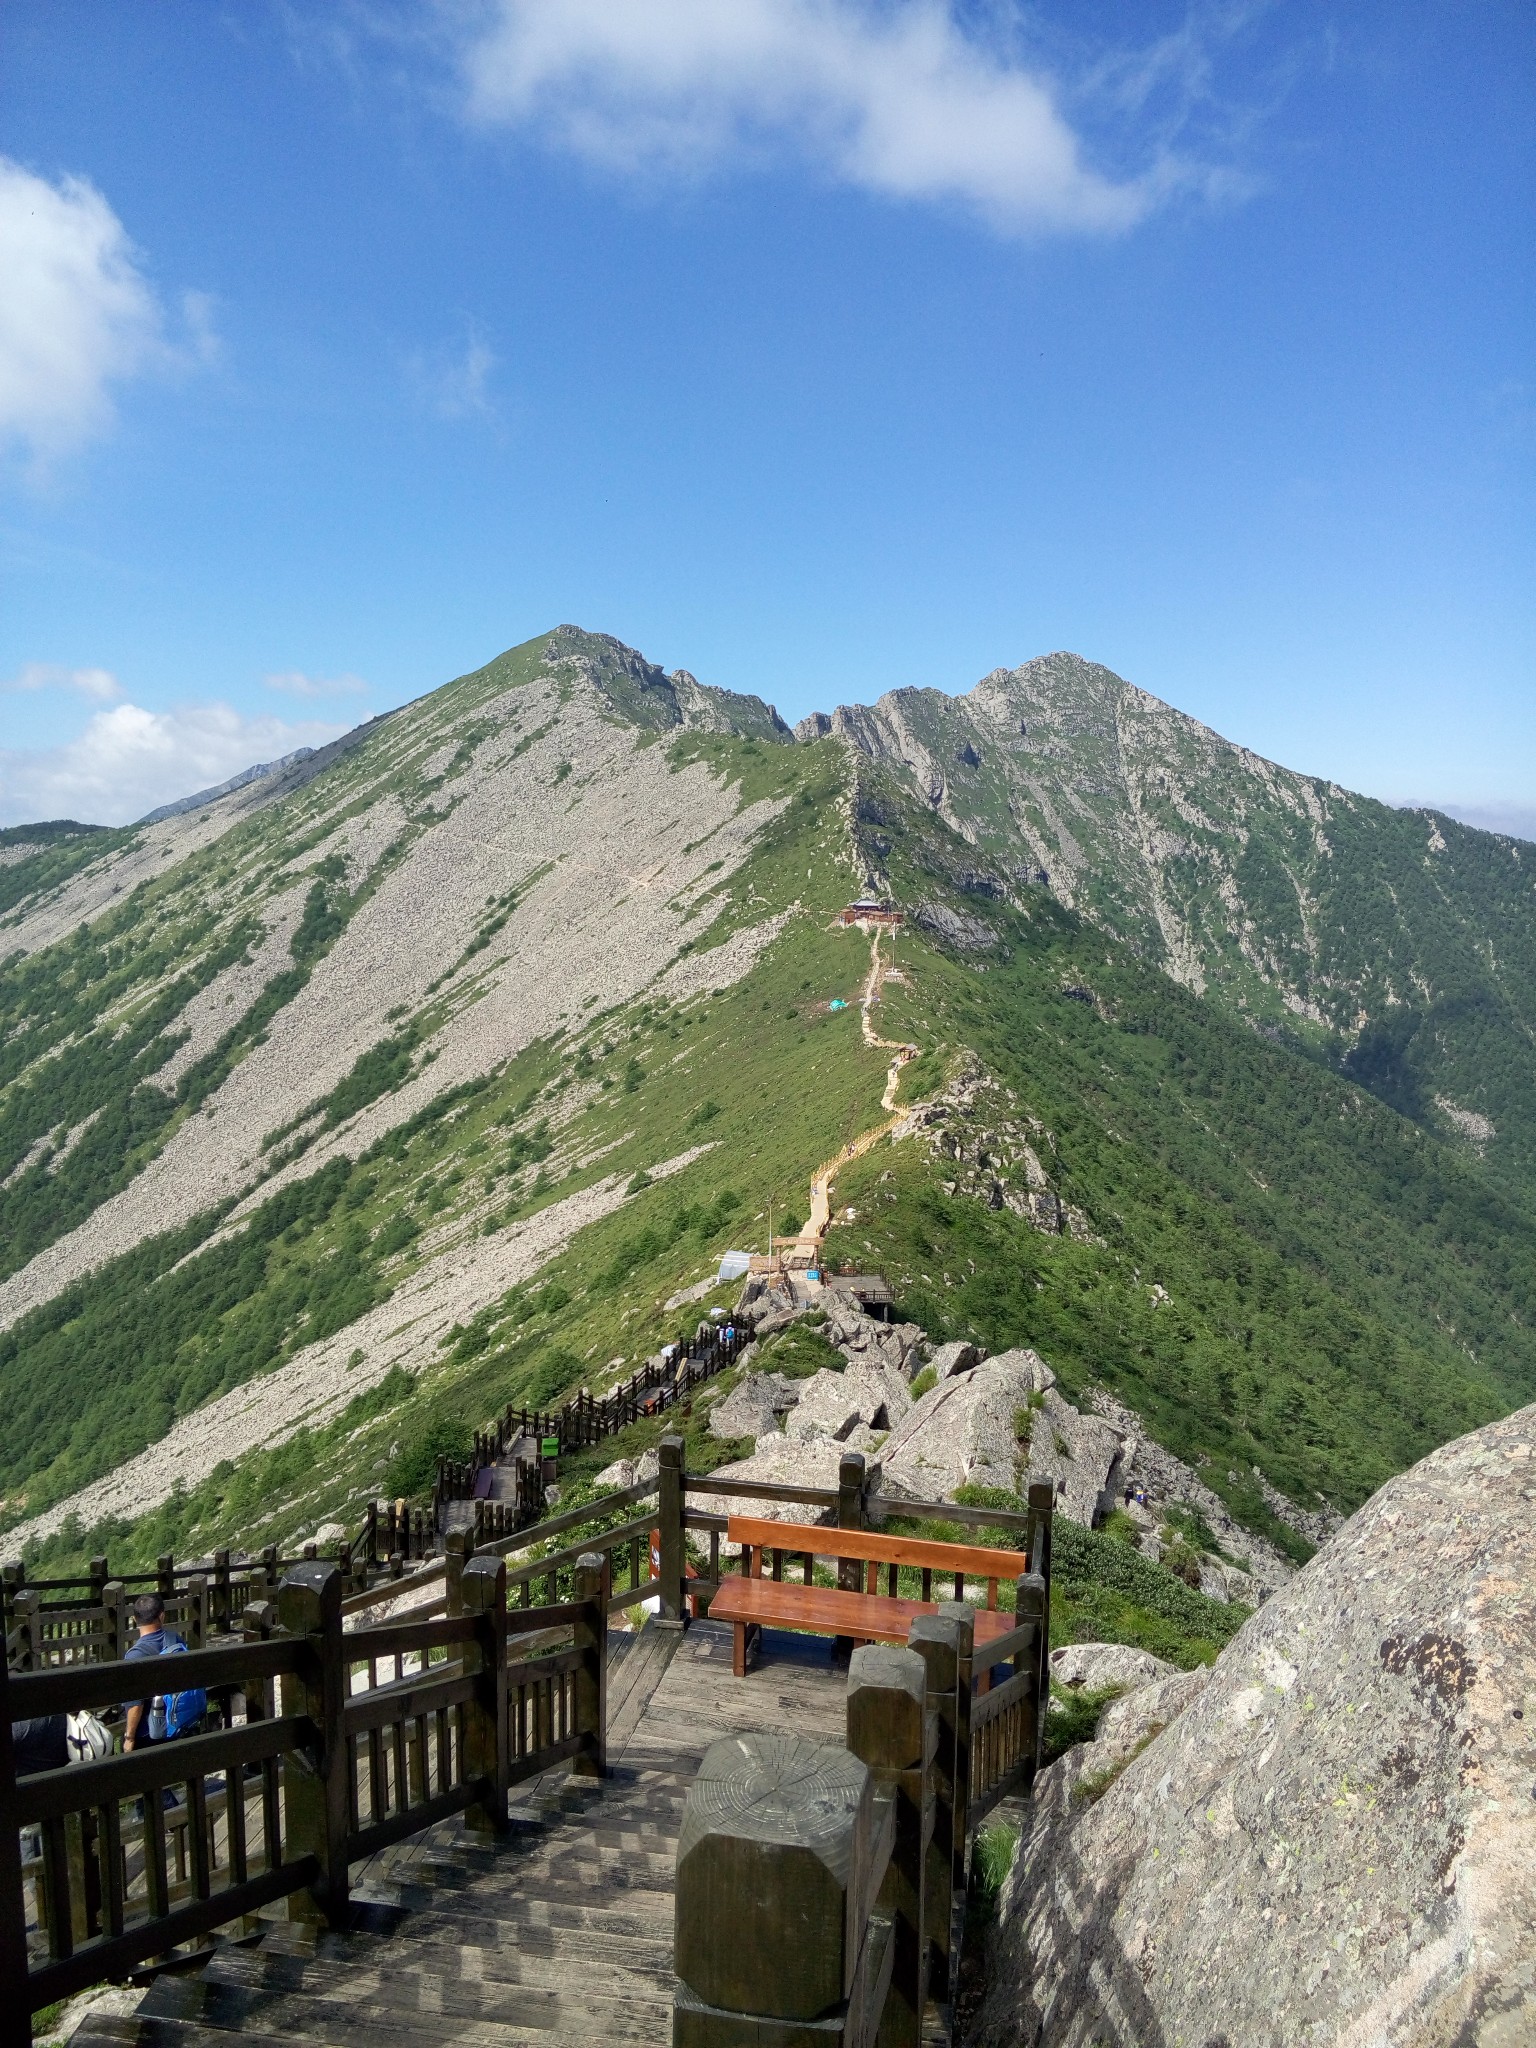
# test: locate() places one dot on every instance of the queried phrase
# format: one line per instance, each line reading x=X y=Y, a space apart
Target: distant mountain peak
x=644 y=694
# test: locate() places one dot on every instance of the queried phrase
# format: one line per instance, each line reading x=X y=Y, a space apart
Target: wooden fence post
x=315 y=1787
x=28 y=1623
x=936 y=1639
x=486 y=1756
x=15 y=2007
x=850 y=1515
x=964 y=1618
x=772 y=1868
x=115 y=1637
x=456 y=1547
x=1042 y=1510
x=592 y=1673
x=196 y=1612
x=671 y=1608
x=1030 y=1605
x=891 y=1729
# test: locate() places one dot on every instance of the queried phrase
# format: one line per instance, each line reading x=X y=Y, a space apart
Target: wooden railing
x=322 y=1762
x=821 y=1891
x=84 y=1618
x=588 y=1419
x=338 y=1732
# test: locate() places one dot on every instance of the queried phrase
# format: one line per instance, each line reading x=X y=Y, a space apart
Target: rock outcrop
x=1334 y=1841
x=1091 y=1667
x=1001 y=1423
x=948 y=1359
x=1081 y=1455
x=854 y=1407
x=965 y=1431
x=754 y=1406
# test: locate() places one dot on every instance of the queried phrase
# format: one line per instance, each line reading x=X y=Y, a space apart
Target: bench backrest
x=970 y=1560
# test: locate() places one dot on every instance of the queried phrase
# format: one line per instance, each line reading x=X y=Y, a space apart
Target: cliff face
x=1333 y=1840
x=1360 y=931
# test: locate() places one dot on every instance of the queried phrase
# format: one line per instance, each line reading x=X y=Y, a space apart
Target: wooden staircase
x=561 y=1930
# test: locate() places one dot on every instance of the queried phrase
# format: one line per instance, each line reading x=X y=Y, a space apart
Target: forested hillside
x=420 y=1077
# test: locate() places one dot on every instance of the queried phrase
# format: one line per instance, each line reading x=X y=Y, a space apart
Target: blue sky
x=816 y=346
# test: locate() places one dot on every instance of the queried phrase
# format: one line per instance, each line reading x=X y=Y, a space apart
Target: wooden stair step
x=352 y=2014
x=644 y=1915
x=428 y=1975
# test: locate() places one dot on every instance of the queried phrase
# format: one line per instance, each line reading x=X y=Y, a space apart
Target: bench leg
x=739 y=1649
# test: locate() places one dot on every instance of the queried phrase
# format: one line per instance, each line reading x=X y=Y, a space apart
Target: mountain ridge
x=286 y=1082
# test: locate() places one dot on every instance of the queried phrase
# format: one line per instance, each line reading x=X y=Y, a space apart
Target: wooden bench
x=753 y=1602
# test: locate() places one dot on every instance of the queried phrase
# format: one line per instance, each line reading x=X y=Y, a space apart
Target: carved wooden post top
x=887 y=1706
x=770 y=1867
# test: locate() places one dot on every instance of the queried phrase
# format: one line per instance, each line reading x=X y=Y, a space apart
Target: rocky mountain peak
x=645 y=695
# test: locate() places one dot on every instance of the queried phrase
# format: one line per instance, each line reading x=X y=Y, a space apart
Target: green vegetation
x=1092 y=1785
x=1074 y=1716
x=1310 y=909
x=1339 y=1291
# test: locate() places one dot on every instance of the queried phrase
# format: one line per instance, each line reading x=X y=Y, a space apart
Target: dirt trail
x=809 y=1240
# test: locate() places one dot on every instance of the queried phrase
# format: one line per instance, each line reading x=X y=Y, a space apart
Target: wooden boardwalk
x=559 y=1932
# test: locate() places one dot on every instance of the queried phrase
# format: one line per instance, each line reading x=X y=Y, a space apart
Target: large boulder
x=1081 y=1456
x=1335 y=1841
x=785 y=1461
x=966 y=1430
x=850 y=1406
x=1091 y=1667
x=754 y=1405
x=626 y=1472
x=947 y=1359
x=863 y=1339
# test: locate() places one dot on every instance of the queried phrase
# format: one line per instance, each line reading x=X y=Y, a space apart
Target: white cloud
x=99 y=684
x=455 y=383
x=129 y=761
x=895 y=100
x=294 y=683
x=77 y=314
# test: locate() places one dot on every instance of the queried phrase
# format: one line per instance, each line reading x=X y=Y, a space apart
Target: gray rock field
x=1332 y=1839
x=407 y=1330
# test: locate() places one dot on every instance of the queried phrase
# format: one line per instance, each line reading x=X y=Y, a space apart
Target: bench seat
x=829 y=1611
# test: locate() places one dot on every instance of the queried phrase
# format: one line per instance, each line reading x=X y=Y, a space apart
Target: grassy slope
x=1346 y=1291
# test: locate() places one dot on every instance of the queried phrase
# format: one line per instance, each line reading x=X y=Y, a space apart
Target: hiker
x=169 y=1714
x=40 y=1744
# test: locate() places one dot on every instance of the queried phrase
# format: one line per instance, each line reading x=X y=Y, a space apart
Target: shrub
x=412 y=1471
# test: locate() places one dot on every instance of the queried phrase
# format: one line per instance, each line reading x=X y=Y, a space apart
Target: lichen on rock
x=1334 y=1839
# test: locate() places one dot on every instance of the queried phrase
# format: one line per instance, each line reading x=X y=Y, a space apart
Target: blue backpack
x=183 y=1710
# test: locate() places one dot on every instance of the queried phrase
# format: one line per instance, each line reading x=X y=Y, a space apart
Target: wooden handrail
x=74 y=1688
x=338 y=1774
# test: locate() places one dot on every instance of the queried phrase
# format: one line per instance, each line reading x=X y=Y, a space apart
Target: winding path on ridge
x=809 y=1241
